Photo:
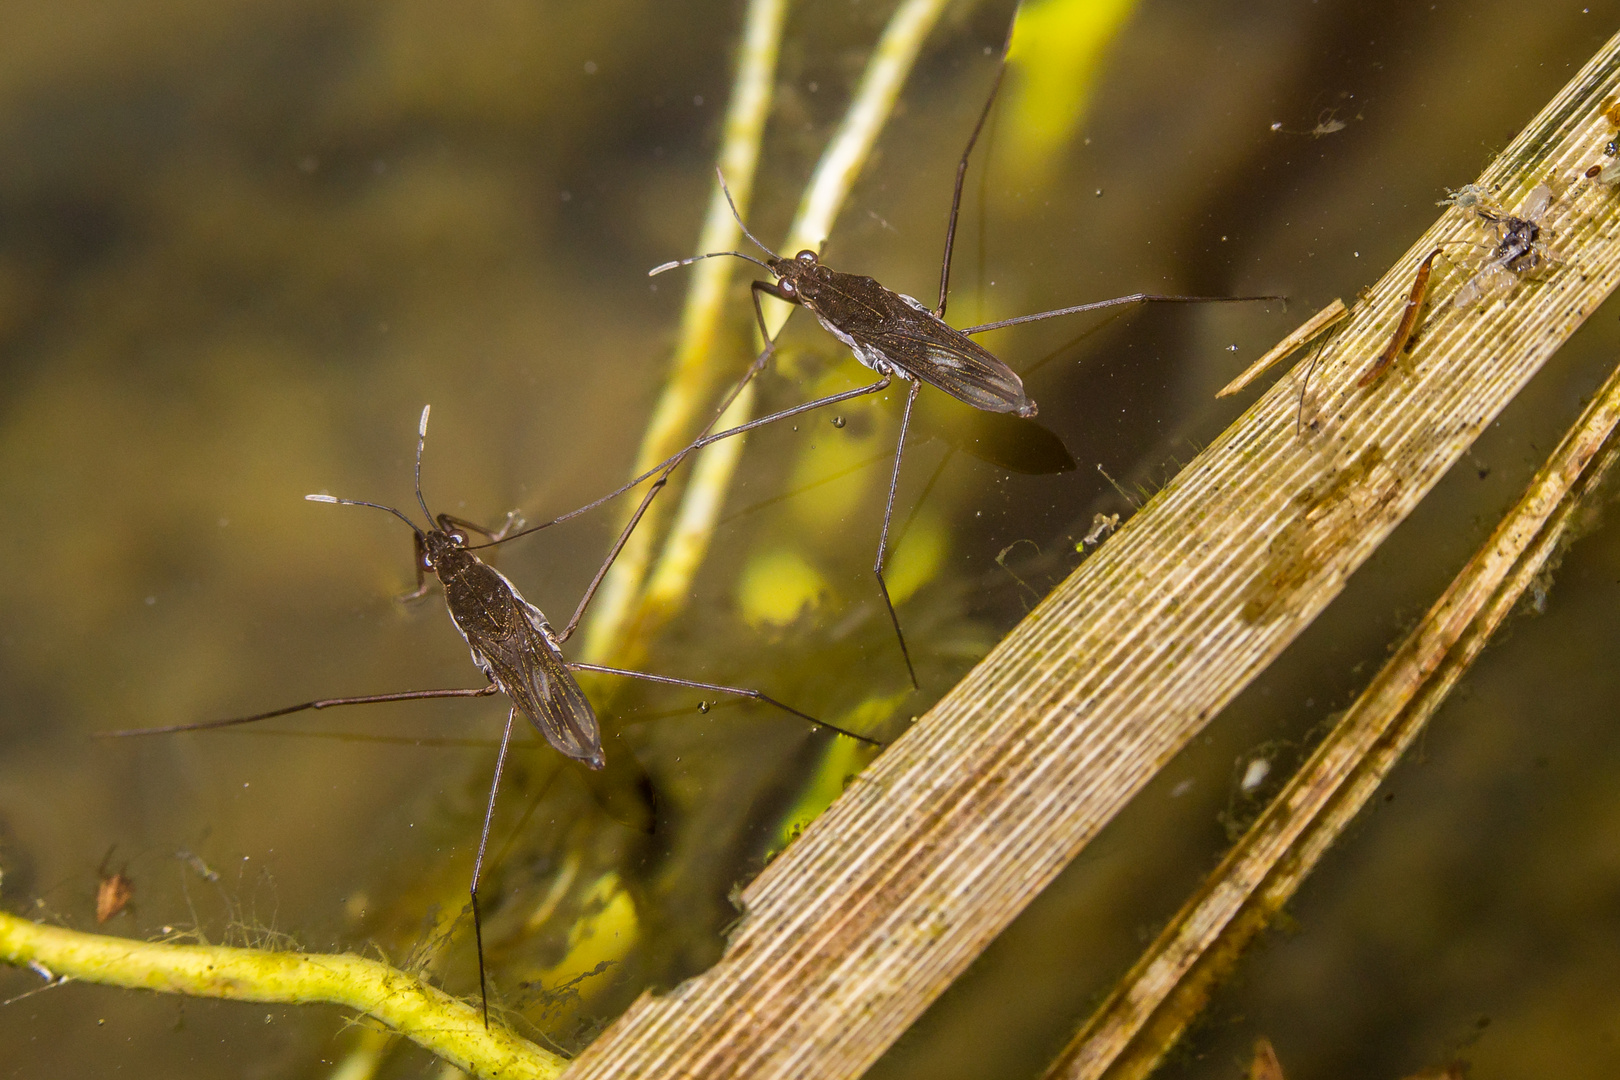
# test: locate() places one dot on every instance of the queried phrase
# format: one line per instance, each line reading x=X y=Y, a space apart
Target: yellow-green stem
x=695 y=367
x=688 y=541
x=424 y=1014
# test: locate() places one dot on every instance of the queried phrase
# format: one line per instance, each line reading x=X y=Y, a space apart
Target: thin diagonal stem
x=684 y=549
x=695 y=369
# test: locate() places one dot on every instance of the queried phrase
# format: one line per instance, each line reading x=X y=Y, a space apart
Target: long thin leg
x=883 y=537
x=669 y=467
x=494 y=536
x=755 y=695
x=1118 y=301
x=669 y=463
x=961 y=174
x=705 y=437
x=323 y=703
x=478 y=863
x=421 y=574
x=754 y=289
x=1304 y=385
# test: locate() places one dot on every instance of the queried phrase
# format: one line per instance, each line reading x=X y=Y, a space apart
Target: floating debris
x=1401 y=340
x=1518 y=252
x=1301 y=336
x=113 y=895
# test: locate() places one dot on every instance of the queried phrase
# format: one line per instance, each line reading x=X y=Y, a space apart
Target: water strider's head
x=798 y=279
x=439 y=546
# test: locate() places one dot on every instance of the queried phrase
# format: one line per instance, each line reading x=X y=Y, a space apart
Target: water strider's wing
x=511 y=644
x=889 y=330
x=925 y=347
x=530 y=669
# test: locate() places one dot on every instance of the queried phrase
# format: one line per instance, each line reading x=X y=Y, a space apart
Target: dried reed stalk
x=1303 y=335
x=932 y=851
x=1130 y=1033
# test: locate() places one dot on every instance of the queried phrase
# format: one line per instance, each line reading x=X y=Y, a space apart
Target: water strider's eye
x=786 y=286
x=807 y=257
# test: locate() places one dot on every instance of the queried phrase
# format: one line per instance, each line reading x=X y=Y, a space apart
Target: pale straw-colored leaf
x=1130 y=1033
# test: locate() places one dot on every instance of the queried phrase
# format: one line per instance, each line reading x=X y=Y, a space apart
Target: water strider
x=897 y=336
x=512 y=644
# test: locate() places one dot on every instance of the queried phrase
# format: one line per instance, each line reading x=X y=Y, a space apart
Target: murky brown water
x=241 y=245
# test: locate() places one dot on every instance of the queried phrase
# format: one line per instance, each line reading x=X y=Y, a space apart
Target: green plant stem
x=683 y=551
x=427 y=1016
x=695 y=368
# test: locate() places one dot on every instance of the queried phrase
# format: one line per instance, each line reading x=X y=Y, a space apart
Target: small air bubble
x=698 y=100
x=703 y=706
x=813 y=86
x=1231 y=348
x=838 y=421
x=150 y=600
x=566 y=195
x=590 y=67
x=1098 y=193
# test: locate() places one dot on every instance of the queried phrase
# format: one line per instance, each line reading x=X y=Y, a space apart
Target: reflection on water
x=240 y=246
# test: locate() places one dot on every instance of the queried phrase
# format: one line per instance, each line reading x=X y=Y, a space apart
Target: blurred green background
x=242 y=244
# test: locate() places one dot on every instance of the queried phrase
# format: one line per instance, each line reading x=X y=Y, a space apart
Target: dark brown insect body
x=512 y=644
x=1519 y=250
x=897 y=337
x=893 y=333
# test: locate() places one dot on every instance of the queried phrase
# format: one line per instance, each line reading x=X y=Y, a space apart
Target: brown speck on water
x=113 y=895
